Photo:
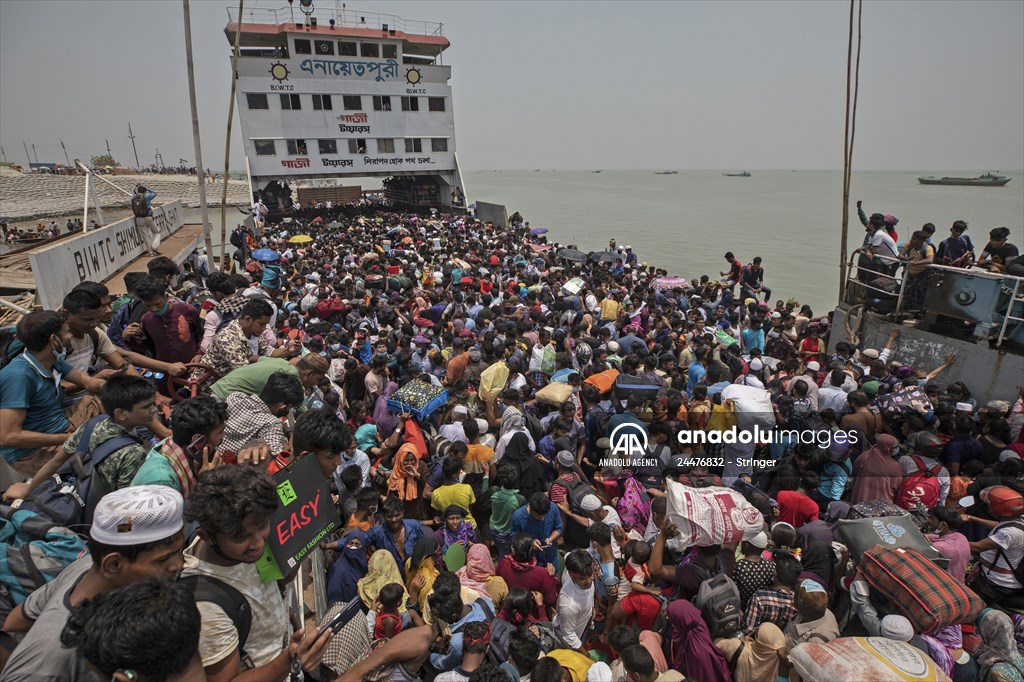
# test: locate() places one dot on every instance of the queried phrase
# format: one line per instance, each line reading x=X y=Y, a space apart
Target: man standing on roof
x=143 y=210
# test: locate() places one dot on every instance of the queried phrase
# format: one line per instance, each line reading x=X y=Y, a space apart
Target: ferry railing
x=344 y=18
x=1010 y=284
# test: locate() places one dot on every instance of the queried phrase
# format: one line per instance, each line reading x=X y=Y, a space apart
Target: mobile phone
x=196 y=447
x=341 y=619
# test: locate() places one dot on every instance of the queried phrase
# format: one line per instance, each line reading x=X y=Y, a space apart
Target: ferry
x=744 y=174
x=986 y=180
x=344 y=94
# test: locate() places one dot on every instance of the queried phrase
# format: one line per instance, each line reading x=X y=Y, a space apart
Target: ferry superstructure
x=344 y=94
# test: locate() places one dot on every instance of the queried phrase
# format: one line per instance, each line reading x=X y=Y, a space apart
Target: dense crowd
x=460 y=387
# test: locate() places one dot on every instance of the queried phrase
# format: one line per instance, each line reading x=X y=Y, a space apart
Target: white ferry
x=343 y=94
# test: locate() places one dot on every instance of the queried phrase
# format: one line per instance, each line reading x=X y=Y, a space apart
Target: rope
x=849 y=135
x=853 y=334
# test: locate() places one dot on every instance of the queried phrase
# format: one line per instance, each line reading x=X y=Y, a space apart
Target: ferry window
x=352 y=102
x=413 y=145
x=436 y=103
x=410 y=104
x=369 y=49
x=322 y=103
x=257 y=100
x=324 y=46
x=328 y=146
x=291 y=102
x=357 y=146
x=265 y=147
x=303 y=47
x=439 y=144
x=385 y=146
x=382 y=102
x=296 y=147
x=389 y=51
x=346 y=49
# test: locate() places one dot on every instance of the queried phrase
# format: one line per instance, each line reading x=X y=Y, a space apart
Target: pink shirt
x=954 y=547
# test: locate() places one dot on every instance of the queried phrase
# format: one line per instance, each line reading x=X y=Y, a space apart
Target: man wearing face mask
x=169 y=332
x=33 y=423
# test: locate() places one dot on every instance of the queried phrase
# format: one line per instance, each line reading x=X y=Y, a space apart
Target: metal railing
x=343 y=18
x=1010 y=284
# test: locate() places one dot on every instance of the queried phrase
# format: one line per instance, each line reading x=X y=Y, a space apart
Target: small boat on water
x=597 y=171
x=986 y=180
x=744 y=174
x=666 y=172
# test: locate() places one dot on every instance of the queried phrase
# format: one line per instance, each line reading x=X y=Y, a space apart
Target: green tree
x=103 y=160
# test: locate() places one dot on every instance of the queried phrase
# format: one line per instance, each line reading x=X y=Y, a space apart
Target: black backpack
x=69 y=496
x=231 y=601
x=237 y=240
x=576 y=491
x=140 y=207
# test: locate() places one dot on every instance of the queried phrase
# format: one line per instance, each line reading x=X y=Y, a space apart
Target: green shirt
x=251 y=378
x=157 y=470
x=118 y=469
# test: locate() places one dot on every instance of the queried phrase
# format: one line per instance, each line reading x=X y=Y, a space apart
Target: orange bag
x=603 y=381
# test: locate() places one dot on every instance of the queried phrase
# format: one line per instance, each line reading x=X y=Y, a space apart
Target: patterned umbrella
x=669 y=283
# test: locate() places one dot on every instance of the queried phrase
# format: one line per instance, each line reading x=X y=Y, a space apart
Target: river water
x=685 y=223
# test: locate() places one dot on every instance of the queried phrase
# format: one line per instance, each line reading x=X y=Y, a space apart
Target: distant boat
x=986 y=180
x=666 y=172
x=597 y=171
x=744 y=174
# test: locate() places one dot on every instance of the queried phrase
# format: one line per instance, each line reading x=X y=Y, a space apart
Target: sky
x=563 y=85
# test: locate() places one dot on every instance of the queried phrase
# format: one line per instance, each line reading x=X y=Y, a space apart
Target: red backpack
x=920 y=487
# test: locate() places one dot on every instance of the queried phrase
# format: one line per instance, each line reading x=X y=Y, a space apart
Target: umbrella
x=288 y=221
x=670 y=283
x=605 y=257
x=301 y=239
x=539 y=230
x=572 y=255
x=539 y=248
x=333 y=225
x=316 y=221
x=265 y=255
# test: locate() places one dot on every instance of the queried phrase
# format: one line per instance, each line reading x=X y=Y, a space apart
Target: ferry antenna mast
x=200 y=173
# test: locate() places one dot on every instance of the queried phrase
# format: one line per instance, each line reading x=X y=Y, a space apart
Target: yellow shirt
x=576 y=663
x=478 y=459
x=458 y=494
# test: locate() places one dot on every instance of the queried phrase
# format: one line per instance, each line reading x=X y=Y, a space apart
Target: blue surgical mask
x=62 y=354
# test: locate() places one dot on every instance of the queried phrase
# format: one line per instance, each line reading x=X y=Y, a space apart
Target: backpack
x=10 y=345
x=920 y=488
x=549 y=636
x=719 y=602
x=231 y=601
x=33 y=552
x=140 y=207
x=68 y=497
x=237 y=240
x=576 y=491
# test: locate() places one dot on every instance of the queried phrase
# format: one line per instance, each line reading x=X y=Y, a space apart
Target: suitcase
x=926 y=594
x=627 y=385
x=860 y=535
x=602 y=381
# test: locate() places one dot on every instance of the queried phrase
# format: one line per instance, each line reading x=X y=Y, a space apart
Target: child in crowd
x=389 y=621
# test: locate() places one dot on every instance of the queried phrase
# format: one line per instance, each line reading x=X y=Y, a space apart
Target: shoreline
x=25 y=198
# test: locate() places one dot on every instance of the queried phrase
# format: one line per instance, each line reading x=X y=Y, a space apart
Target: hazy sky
x=564 y=84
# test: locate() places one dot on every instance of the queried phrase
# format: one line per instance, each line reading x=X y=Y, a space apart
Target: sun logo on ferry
x=413 y=76
x=279 y=72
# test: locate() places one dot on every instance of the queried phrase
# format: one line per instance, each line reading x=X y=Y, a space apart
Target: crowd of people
x=485 y=533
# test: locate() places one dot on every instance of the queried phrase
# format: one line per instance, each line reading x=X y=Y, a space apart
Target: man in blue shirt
x=143 y=210
x=540 y=520
x=396 y=534
x=33 y=424
x=753 y=336
x=696 y=371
